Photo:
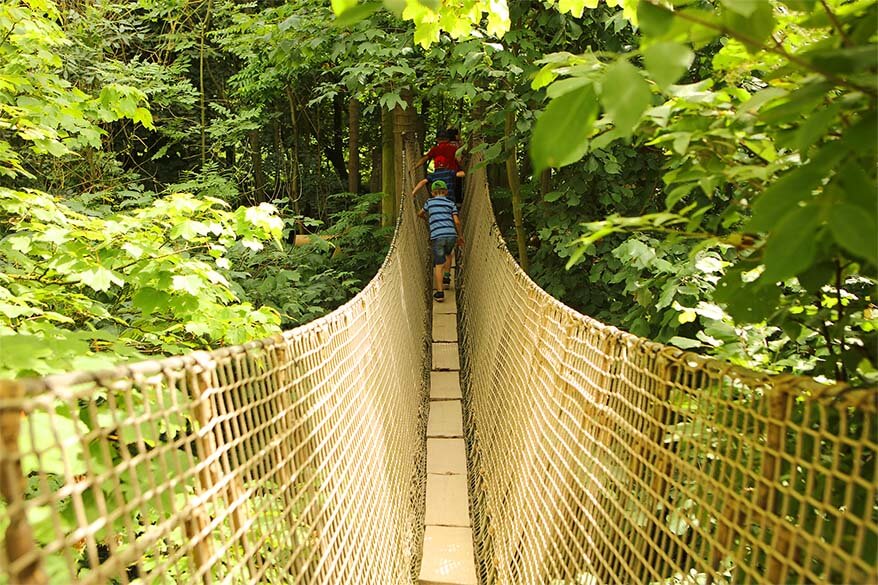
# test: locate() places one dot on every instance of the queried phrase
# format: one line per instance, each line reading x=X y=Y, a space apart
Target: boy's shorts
x=442 y=247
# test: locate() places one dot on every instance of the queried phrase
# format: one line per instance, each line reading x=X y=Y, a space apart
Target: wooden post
x=774 y=443
x=19 y=539
x=203 y=410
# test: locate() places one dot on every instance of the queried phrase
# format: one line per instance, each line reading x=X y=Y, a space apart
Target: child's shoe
x=439 y=296
x=446 y=278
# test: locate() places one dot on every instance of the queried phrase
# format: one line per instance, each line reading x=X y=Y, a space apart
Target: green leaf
x=667 y=62
x=339 y=7
x=792 y=188
x=802 y=5
x=742 y=7
x=817 y=275
x=99 y=278
x=625 y=95
x=55 y=438
x=149 y=300
x=856 y=230
x=544 y=77
x=858 y=187
x=815 y=127
x=561 y=134
x=845 y=60
x=792 y=246
x=357 y=13
x=653 y=20
x=189 y=283
x=746 y=302
x=684 y=342
x=756 y=26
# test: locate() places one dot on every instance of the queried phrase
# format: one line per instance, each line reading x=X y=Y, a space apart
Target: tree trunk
x=375 y=174
x=335 y=148
x=294 y=164
x=515 y=188
x=203 y=104
x=279 y=162
x=388 y=178
x=404 y=122
x=256 y=162
x=545 y=183
x=354 y=146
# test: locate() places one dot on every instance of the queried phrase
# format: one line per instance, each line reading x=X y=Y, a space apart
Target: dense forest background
x=179 y=175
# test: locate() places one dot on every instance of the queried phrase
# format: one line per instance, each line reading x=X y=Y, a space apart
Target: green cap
x=439 y=185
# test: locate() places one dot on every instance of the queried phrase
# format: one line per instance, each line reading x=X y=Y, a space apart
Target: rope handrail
x=294 y=459
x=600 y=457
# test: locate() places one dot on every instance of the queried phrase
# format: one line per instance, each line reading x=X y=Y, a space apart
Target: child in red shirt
x=445 y=163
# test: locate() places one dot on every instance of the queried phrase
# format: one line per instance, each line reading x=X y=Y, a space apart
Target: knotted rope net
x=295 y=459
x=599 y=457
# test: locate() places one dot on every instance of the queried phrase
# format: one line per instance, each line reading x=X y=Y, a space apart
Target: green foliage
x=79 y=291
x=308 y=281
x=40 y=108
x=771 y=152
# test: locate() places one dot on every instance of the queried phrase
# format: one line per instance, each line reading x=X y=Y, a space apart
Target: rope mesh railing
x=599 y=457
x=295 y=459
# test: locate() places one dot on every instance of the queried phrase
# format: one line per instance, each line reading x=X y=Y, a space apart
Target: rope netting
x=295 y=459
x=599 y=457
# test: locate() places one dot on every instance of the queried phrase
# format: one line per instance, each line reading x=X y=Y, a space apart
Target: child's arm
x=421 y=161
x=458 y=229
x=418 y=187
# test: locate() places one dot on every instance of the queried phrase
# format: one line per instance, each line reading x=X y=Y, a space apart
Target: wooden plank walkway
x=448 y=540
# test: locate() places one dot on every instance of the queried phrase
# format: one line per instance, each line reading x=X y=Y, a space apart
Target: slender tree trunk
x=404 y=122
x=398 y=123
x=279 y=161
x=354 y=146
x=204 y=24
x=515 y=187
x=256 y=161
x=545 y=183
x=388 y=178
x=375 y=174
x=295 y=196
x=335 y=149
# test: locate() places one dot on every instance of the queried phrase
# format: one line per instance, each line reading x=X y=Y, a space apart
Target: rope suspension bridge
x=593 y=456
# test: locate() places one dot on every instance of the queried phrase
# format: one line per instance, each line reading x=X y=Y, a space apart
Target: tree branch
x=836 y=24
x=777 y=49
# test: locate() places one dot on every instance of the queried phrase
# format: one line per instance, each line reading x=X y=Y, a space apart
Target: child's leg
x=447 y=265
x=437 y=277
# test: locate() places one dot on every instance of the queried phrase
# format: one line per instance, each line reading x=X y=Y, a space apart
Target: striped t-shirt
x=440 y=211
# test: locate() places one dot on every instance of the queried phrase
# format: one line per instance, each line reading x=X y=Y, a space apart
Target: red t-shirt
x=443 y=156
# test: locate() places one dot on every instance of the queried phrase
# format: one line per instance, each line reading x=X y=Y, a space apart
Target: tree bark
x=388 y=178
x=375 y=174
x=545 y=183
x=294 y=166
x=256 y=161
x=515 y=188
x=203 y=103
x=354 y=146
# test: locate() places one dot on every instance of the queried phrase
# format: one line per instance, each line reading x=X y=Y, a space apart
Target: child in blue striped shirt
x=445 y=233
